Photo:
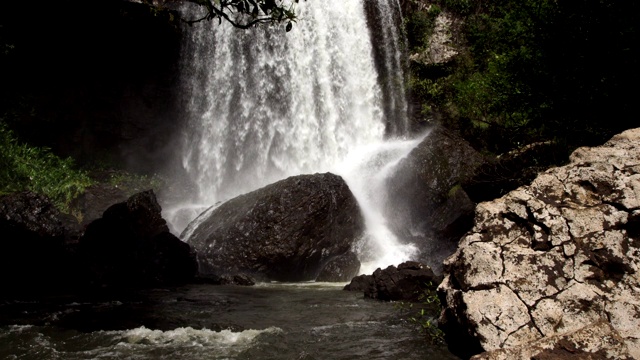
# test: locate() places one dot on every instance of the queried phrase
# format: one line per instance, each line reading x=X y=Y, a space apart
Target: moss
x=454 y=190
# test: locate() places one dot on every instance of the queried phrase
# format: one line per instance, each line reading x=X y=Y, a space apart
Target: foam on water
x=139 y=343
x=194 y=337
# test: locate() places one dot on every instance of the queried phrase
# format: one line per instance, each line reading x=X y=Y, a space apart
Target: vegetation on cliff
x=86 y=97
x=25 y=167
x=528 y=71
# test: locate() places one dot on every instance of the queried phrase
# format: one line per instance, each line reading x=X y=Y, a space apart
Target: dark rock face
x=340 y=269
x=287 y=231
x=131 y=246
x=392 y=96
x=507 y=172
x=426 y=197
x=404 y=283
x=553 y=258
x=95 y=200
x=32 y=241
x=362 y=283
x=238 y=279
x=107 y=89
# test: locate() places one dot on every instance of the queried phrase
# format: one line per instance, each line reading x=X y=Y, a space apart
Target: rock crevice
x=553 y=258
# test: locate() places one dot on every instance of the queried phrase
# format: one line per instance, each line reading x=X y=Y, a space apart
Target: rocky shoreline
x=541 y=271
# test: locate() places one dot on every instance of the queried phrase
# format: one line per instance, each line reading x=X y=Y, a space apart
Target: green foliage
x=418 y=27
x=462 y=7
x=24 y=167
x=424 y=314
x=532 y=71
x=131 y=183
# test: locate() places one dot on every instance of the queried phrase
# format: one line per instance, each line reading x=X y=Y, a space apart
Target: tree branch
x=251 y=12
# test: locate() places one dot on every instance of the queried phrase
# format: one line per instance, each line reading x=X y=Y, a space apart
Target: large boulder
x=32 y=245
x=407 y=282
x=426 y=201
x=287 y=231
x=130 y=245
x=341 y=268
x=549 y=258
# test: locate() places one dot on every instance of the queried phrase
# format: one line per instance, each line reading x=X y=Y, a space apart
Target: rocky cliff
x=556 y=257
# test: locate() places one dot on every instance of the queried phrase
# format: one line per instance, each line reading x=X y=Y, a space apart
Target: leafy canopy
x=245 y=14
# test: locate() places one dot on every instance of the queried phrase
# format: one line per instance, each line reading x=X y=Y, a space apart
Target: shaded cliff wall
x=90 y=79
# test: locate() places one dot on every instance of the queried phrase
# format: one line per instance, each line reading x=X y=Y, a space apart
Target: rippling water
x=272 y=321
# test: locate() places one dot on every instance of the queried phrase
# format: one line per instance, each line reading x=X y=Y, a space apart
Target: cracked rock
x=595 y=341
x=549 y=258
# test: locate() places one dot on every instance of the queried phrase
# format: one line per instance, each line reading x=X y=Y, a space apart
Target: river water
x=270 y=321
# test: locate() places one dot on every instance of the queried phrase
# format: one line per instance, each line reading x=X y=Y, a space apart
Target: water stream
x=264 y=104
x=305 y=321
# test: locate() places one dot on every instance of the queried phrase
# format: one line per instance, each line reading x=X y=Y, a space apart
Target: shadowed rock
x=32 y=240
x=426 y=200
x=341 y=269
x=407 y=282
x=287 y=231
x=131 y=246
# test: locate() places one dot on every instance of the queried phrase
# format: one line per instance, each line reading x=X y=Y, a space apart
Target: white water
x=264 y=105
x=366 y=170
x=387 y=33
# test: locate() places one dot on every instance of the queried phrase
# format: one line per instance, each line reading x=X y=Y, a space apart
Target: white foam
x=367 y=170
x=194 y=337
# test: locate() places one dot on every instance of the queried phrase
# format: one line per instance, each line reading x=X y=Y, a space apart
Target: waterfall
x=385 y=23
x=263 y=104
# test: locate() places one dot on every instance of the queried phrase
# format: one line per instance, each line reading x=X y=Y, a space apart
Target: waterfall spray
x=263 y=105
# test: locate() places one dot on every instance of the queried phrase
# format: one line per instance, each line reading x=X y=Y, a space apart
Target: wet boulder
x=95 y=200
x=362 y=283
x=32 y=241
x=130 y=245
x=341 y=269
x=287 y=231
x=552 y=257
x=238 y=279
x=407 y=282
x=426 y=199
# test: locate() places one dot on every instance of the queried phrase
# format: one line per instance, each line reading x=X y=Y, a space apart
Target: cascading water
x=385 y=21
x=264 y=105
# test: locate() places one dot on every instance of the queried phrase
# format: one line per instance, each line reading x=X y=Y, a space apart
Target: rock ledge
x=549 y=258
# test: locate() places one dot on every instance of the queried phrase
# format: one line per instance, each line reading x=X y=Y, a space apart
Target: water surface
x=272 y=321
